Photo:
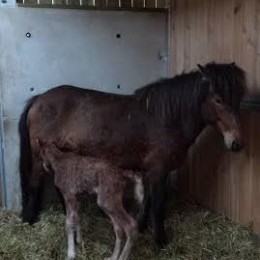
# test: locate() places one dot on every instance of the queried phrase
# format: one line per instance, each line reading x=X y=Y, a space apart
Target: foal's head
x=50 y=154
x=221 y=110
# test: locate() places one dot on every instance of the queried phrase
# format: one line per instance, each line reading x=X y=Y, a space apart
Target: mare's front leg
x=158 y=208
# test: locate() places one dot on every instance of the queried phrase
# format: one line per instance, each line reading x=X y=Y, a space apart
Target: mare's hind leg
x=31 y=211
x=72 y=223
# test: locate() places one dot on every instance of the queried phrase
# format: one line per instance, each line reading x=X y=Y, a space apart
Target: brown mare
x=149 y=131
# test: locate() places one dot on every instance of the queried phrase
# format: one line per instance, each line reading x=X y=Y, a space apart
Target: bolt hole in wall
x=154 y=4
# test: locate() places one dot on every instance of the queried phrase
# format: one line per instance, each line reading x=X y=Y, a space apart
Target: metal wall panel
x=42 y=48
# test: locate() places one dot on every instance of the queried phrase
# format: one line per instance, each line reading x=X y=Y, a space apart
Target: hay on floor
x=195 y=234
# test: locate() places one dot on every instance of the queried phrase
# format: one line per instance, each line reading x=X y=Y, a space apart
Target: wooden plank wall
x=221 y=31
x=226 y=182
x=216 y=30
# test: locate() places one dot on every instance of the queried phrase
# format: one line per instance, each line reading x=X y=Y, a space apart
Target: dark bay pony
x=149 y=131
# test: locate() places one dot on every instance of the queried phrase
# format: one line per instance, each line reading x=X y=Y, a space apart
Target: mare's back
x=74 y=113
x=112 y=127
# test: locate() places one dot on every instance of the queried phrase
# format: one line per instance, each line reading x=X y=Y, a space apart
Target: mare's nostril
x=236 y=146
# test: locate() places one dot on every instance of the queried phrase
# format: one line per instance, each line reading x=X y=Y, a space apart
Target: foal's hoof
x=70 y=257
x=78 y=239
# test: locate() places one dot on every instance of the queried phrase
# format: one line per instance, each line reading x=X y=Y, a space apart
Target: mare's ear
x=205 y=76
x=203 y=71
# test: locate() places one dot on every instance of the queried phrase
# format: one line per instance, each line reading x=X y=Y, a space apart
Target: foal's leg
x=61 y=199
x=131 y=231
x=118 y=229
x=72 y=223
x=123 y=223
x=119 y=232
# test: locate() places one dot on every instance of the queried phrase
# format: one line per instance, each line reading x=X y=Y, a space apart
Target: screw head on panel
x=28 y=35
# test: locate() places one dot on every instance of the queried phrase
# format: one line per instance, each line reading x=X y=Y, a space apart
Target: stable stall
x=119 y=45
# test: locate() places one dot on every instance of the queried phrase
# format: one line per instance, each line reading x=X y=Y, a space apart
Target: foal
x=74 y=175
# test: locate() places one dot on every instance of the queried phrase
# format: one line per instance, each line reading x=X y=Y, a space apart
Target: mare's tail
x=25 y=163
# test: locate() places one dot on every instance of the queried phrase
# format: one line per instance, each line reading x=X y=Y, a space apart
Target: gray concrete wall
x=74 y=47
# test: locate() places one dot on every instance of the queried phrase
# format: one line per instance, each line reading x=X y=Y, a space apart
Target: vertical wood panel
x=177 y=30
x=223 y=31
x=255 y=155
x=217 y=30
x=224 y=181
x=257 y=67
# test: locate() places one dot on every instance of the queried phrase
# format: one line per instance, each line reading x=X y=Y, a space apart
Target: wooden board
x=226 y=182
x=203 y=31
x=216 y=30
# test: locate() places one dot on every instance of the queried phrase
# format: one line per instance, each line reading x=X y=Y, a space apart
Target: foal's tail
x=139 y=189
x=25 y=163
x=137 y=181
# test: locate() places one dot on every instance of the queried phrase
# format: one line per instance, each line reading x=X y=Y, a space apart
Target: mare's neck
x=192 y=128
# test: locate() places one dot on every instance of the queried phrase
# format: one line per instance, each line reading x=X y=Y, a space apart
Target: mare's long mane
x=173 y=100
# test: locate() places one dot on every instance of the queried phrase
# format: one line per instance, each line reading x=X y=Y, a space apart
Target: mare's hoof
x=142 y=225
x=161 y=241
x=142 y=228
x=30 y=219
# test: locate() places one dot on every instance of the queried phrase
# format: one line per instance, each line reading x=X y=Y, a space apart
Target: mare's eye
x=218 y=100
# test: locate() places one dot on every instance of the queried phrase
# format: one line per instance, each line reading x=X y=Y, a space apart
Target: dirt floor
x=195 y=233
